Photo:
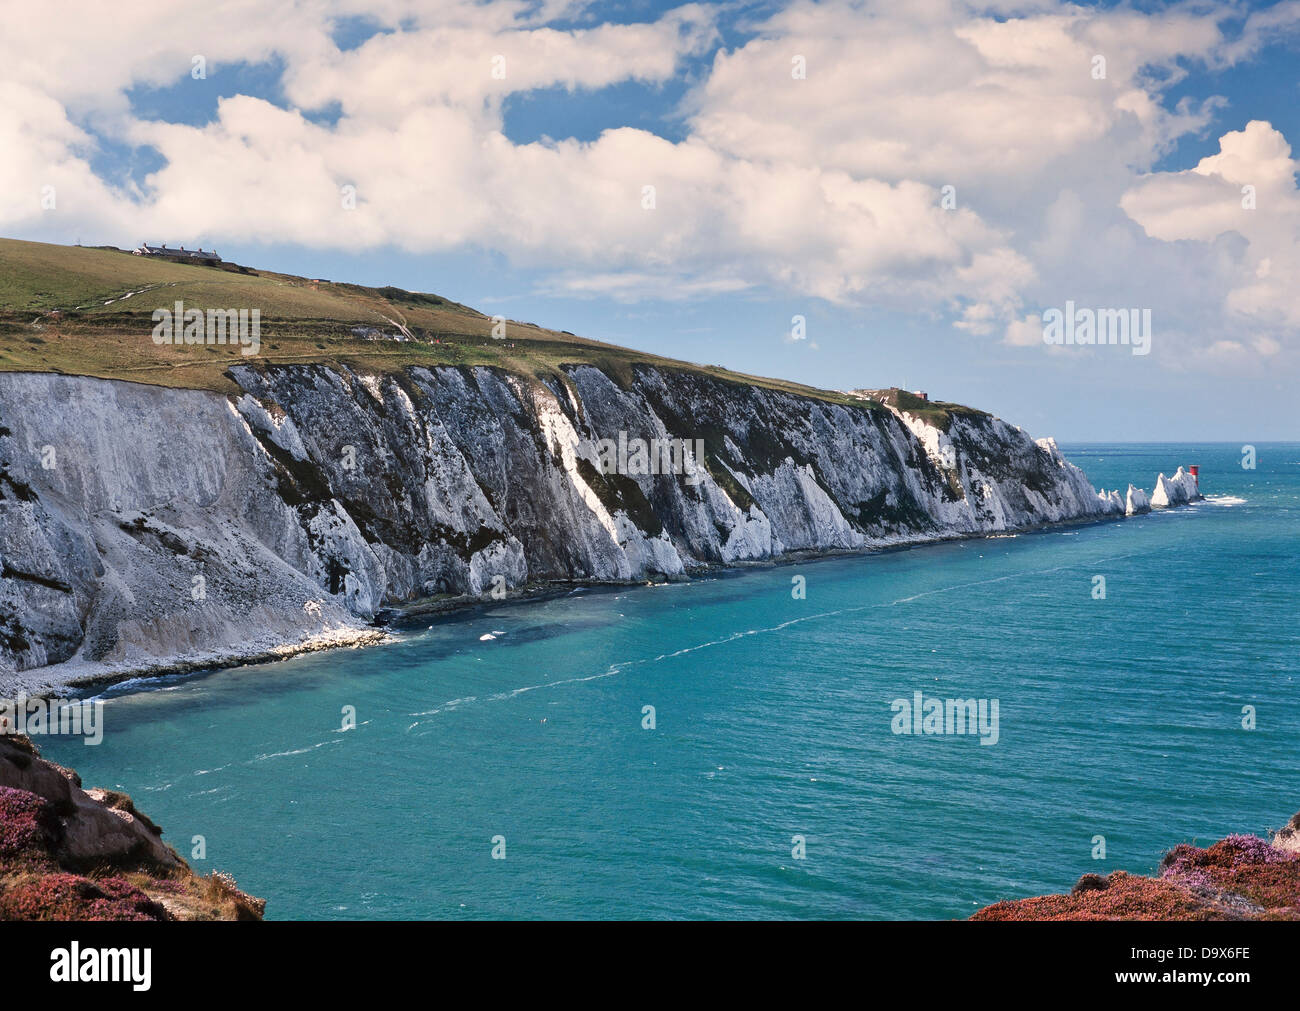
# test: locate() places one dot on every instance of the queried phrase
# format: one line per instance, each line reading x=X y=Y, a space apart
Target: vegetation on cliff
x=73 y=854
x=88 y=311
x=1241 y=877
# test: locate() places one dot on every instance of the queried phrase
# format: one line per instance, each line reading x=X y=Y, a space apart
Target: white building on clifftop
x=181 y=255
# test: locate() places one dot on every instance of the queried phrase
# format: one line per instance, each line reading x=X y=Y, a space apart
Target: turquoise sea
x=1118 y=717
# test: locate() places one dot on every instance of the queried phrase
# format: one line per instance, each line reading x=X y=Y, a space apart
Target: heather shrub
x=64 y=896
x=28 y=825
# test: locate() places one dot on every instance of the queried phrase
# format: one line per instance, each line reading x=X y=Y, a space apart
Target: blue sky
x=775 y=196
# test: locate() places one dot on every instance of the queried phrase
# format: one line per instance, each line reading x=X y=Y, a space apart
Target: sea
x=743 y=746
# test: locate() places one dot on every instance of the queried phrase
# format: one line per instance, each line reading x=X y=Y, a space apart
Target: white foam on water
x=298 y=751
x=619 y=668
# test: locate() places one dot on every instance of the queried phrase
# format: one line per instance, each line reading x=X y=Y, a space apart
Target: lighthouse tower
x=1195 y=471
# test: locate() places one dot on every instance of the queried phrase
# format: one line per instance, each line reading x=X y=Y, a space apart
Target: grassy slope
x=106 y=299
x=938 y=413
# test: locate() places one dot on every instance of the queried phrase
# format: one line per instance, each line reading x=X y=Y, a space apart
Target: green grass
x=105 y=299
x=938 y=413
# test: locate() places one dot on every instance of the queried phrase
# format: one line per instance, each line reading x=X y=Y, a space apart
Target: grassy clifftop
x=88 y=311
x=933 y=412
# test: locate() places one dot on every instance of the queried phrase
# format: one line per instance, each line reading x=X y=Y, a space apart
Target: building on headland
x=182 y=254
x=895 y=396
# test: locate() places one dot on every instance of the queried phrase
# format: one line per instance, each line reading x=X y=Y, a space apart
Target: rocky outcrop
x=71 y=853
x=1178 y=490
x=145 y=528
x=1241 y=877
x=1181 y=489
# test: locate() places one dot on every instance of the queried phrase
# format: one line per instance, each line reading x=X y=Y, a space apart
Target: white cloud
x=828 y=186
x=1245 y=192
x=1026 y=332
x=473 y=67
x=939 y=92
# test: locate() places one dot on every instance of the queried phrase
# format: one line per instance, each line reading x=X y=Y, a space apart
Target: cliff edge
x=1241 y=877
x=169 y=506
x=68 y=853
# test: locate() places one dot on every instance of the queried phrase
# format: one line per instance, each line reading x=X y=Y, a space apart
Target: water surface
x=1118 y=717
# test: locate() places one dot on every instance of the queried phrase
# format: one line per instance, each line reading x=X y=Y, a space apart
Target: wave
x=298 y=751
x=143 y=683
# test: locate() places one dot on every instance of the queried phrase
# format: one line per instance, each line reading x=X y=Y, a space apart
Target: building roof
x=181 y=253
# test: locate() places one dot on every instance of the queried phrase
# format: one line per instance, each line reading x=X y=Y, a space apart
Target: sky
x=846 y=194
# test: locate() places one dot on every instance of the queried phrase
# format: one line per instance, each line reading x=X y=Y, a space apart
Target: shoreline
x=65 y=680
x=72 y=677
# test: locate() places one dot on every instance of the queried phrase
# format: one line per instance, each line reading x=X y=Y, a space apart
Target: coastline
x=1240 y=877
x=60 y=680
x=74 y=676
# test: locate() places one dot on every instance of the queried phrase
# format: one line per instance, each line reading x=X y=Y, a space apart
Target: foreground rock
x=1241 y=877
x=73 y=854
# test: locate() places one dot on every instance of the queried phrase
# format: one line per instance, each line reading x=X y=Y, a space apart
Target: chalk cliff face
x=1135 y=501
x=1174 y=491
x=142 y=528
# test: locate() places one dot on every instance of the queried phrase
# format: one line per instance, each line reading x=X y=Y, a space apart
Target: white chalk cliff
x=1174 y=491
x=1136 y=501
x=144 y=528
